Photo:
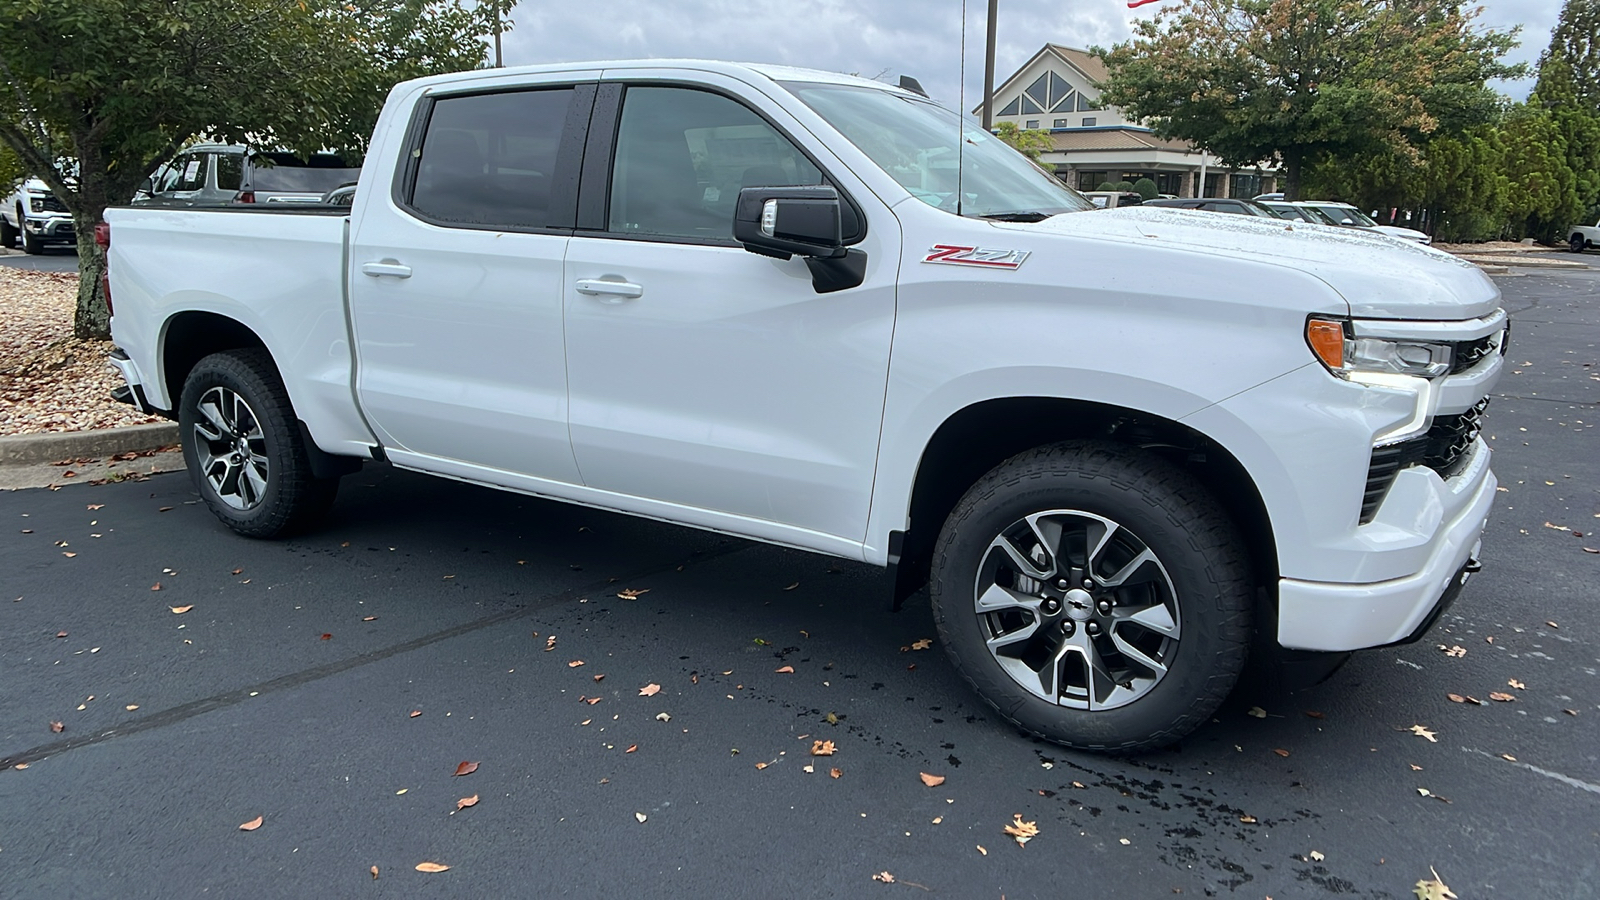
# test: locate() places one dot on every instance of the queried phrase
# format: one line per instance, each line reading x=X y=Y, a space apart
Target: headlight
x=1346 y=355
x=36 y=204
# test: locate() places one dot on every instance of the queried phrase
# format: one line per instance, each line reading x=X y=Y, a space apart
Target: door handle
x=385 y=267
x=595 y=287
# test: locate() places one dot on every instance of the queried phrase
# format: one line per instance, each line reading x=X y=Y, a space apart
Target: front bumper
x=50 y=228
x=1337 y=617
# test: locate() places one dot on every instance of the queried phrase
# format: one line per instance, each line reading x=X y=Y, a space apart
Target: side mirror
x=789 y=221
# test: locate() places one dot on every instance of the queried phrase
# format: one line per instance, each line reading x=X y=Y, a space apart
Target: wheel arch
x=192 y=335
x=984 y=434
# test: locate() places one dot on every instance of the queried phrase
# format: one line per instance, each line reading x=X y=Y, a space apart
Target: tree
x=1298 y=81
x=1565 y=90
x=126 y=83
x=1146 y=189
x=1033 y=143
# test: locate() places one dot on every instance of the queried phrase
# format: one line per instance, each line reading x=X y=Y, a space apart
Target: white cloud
x=921 y=38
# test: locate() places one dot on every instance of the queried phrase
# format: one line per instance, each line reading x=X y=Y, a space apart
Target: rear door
x=703 y=375
x=456 y=282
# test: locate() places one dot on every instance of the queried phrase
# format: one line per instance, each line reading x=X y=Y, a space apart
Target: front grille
x=1443 y=449
x=51 y=204
x=1470 y=353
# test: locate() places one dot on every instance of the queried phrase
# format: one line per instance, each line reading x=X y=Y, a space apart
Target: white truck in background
x=761 y=301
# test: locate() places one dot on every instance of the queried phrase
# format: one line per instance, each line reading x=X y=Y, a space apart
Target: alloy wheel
x=232 y=448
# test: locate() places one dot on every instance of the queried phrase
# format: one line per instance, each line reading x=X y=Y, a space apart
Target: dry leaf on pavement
x=1021 y=831
x=784 y=670
x=884 y=877
x=632 y=593
x=1422 y=732
x=432 y=867
x=650 y=690
x=1502 y=696
x=465 y=802
x=374 y=871
x=822 y=748
x=1257 y=712
x=574 y=664
x=923 y=644
x=252 y=825
x=466 y=768
x=931 y=780
x=180 y=610
x=156 y=586
x=415 y=713
x=835 y=773
x=982 y=850
x=1281 y=752
x=57 y=727
x=1433 y=889
x=1517 y=684
x=640 y=816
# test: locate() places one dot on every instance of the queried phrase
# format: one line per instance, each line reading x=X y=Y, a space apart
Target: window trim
x=563 y=182
x=594 y=190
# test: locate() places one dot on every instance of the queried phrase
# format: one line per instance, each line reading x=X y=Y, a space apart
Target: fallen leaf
x=1454 y=651
x=236 y=572
x=1517 y=684
x=57 y=727
x=431 y=867
x=663 y=717
x=1552 y=625
x=631 y=748
x=327 y=637
x=762 y=765
x=1314 y=714
x=374 y=871
x=1316 y=856
x=165 y=509
x=981 y=850
x=180 y=610
x=1258 y=712
x=156 y=586
x=1415 y=767
x=1248 y=820
x=650 y=690
x=466 y=768
x=938 y=819
x=369 y=618
x=1433 y=889
x=591 y=700
x=1281 y=752
x=1570 y=712
x=131 y=707
x=1502 y=697
x=808 y=768
x=923 y=644
x=1021 y=831
x=415 y=713
x=465 y=802
x=1124 y=841
x=61 y=634
x=835 y=773
x=68 y=554
x=792 y=586
x=1425 y=792
x=252 y=825
x=884 y=877
x=640 y=816
x=1422 y=732
x=574 y=664
x=931 y=780
x=633 y=593
x=822 y=748
x=95 y=506
x=20 y=766
x=784 y=670
x=1456 y=698
x=1508 y=757
x=1077 y=784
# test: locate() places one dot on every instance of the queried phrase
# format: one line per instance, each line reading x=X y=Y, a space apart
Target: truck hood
x=1378 y=276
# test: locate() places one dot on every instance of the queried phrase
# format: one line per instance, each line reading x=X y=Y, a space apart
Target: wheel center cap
x=1078 y=604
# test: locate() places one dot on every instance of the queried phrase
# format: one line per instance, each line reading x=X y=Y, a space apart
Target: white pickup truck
x=1118 y=446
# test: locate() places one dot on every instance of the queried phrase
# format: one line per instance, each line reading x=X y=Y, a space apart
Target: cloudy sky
x=868 y=37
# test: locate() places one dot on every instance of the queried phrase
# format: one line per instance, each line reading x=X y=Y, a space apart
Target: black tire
x=8 y=234
x=1202 y=566
x=30 y=244
x=1577 y=243
x=286 y=496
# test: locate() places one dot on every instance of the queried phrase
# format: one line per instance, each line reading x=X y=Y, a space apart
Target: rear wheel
x=1094 y=595
x=244 y=448
x=1577 y=243
x=8 y=233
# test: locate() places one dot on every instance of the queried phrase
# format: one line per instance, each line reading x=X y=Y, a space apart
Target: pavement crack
x=226 y=699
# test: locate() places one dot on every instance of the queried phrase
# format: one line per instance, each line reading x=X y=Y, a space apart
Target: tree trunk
x=1291 y=176
x=92 y=319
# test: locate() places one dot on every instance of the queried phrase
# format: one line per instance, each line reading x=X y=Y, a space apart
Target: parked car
x=1217 y=204
x=1115 y=446
x=1113 y=199
x=33 y=217
x=1351 y=217
x=343 y=195
x=1298 y=212
x=223 y=174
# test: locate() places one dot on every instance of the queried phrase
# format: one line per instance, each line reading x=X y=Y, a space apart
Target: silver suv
x=223 y=175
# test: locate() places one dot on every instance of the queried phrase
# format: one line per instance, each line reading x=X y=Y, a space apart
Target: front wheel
x=244 y=449
x=8 y=233
x=1094 y=595
x=1577 y=243
x=30 y=244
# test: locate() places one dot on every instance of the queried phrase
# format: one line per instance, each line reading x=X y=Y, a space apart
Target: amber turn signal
x=1326 y=338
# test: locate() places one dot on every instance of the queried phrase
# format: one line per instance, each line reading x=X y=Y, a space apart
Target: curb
x=31 y=448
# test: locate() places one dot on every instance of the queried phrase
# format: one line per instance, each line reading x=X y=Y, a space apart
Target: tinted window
x=490 y=159
x=191 y=172
x=230 y=171
x=168 y=176
x=682 y=157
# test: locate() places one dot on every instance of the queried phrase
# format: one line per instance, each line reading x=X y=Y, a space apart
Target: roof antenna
x=961 y=132
x=907 y=83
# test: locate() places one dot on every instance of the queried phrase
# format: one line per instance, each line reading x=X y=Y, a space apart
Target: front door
x=703 y=375
x=456 y=284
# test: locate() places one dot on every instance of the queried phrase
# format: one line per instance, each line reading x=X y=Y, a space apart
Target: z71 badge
x=975 y=256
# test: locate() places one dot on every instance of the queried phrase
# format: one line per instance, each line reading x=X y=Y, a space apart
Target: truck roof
x=743 y=71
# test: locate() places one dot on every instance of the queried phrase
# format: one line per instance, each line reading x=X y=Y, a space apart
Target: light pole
x=988 y=68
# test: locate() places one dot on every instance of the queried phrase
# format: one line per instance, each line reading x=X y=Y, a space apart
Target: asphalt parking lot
x=53 y=259
x=331 y=685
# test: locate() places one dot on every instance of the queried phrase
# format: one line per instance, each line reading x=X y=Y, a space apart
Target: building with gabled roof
x=1055 y=91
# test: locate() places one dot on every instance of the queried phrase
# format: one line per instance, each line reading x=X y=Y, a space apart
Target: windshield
x=1339 y=213
x=915 y=142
